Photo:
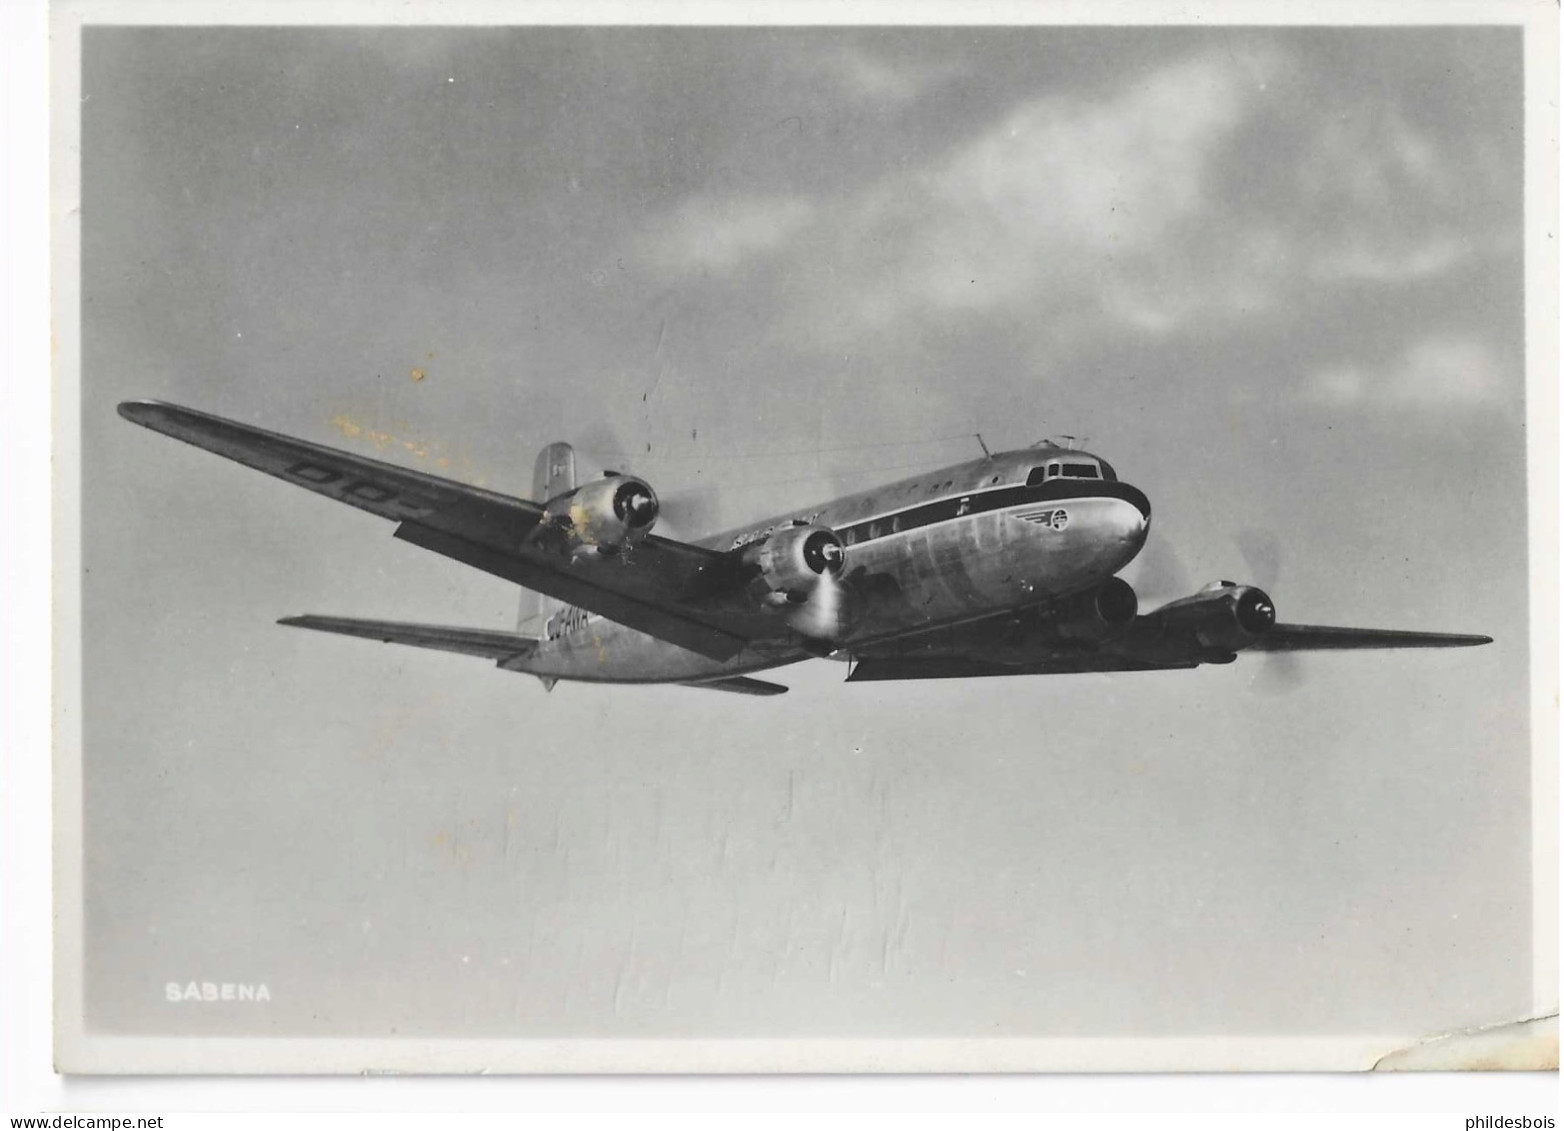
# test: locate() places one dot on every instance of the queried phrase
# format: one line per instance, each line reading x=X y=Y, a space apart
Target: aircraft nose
x=1137 y=498
x=1132 y=526
x=1124 y=528
x=1133 y=522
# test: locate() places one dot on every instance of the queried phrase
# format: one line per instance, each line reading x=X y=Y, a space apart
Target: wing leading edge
x=1324 y=638
x=396 y=493
x=999 y=646
x=658 y=592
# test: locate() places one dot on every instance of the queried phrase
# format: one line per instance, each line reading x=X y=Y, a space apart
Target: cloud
x=1367 y=260
x=870 y=78
x=1441 y=373
x=719 y=236
x=1054 y=202
x=1218 y=188
x=1373 y=159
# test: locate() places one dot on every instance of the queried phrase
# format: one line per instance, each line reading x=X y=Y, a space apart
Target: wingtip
x=140 y=411
x=1468 y=640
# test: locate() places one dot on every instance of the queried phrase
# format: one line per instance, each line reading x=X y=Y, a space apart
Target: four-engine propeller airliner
x=999 y=566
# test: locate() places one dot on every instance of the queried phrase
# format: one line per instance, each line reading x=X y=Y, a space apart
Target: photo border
x=79 y=1051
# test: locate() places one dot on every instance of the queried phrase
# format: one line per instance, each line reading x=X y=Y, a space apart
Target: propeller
x=691 y=512
x=1158 y=573
x=601 y=446
x=1276 y=673
x=1262 y=553
x=684 y=512
x=824 y=616
x=635 y=505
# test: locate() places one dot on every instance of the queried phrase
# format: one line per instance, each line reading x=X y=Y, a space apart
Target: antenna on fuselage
x=986 y=453
x=1066 y=443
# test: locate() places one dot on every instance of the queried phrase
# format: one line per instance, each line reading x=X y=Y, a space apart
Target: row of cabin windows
x=878 y=529
x=1055 y=469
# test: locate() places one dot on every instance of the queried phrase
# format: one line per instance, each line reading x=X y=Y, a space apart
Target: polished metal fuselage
x=942 y=548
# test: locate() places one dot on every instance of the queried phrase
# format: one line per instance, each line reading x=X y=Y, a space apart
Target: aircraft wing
x=1322 y=638
x=397 y=493
x=1005 y=644
x=657 y=590
x=875 y=669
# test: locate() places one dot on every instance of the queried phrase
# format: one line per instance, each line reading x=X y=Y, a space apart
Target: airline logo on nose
x=1056 y=518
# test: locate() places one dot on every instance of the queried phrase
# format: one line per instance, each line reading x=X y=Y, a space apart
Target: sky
x=1275 y=277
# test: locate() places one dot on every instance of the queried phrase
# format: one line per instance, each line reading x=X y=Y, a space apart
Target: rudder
x=553 y=475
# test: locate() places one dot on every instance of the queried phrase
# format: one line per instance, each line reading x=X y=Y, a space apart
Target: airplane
x=1000 y=566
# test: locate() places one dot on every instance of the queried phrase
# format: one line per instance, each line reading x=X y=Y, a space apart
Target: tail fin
x=553 y=475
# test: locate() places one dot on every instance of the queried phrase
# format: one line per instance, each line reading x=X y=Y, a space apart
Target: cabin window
x=852 y=536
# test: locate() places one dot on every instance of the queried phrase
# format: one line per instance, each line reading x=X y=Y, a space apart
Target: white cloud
x=1152 y=208
x=1374 y=159
x=720 y=236
x=1364 y=260
x=874 y=79
x=1441 y=373
x=1059 y=198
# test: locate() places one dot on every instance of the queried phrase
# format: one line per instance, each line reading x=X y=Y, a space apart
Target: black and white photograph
x=986 y=546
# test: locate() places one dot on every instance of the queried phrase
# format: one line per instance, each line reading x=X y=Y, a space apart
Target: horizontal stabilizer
x=498 y=646
x=1323 y=638
x=741 y=685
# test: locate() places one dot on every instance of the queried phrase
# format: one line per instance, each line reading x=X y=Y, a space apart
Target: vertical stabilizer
x=553 y=475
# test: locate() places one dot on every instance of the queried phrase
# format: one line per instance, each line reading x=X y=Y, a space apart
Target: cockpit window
x=1107 y=471
x=1057 y=470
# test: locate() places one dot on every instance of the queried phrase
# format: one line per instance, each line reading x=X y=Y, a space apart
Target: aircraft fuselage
x=1010 y=531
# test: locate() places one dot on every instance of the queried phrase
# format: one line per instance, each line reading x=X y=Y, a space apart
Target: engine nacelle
x=607 y=514
x=797 y=570
x=789 y=563
x=1094 y=616
x=1224 y=617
